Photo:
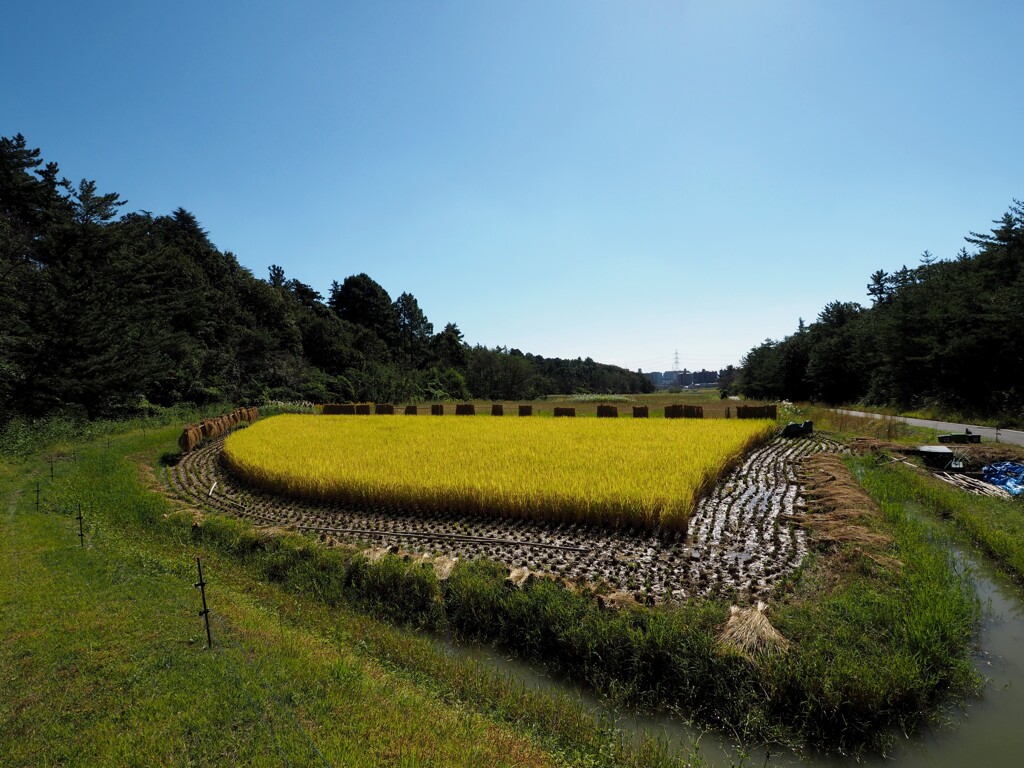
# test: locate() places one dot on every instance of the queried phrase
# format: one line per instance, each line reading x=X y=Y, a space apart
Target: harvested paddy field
x=735 y=543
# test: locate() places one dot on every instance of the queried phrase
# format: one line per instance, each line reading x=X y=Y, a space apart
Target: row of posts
x=498 y=409
x=80 y=519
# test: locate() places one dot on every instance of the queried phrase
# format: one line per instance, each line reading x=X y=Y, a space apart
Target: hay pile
x=565 y=411
x=526 y=410
x=465 y=409
x=841 y=511
x=339 y=409
x=640 y=412
x=749 y=633
x=194 y=434
x=607 y=411
x=497 y=409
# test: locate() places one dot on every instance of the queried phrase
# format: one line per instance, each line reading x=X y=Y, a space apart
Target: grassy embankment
x=995 y=525
x=868 y=651
x=102 y=656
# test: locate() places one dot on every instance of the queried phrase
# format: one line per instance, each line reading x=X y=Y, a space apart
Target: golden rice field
x=621 y=472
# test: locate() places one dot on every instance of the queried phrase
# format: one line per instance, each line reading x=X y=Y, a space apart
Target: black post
x=81 y=531
x=205 y=613
x=37 y=495
x=51 y=468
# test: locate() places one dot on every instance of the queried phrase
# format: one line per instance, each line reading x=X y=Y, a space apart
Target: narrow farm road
x=1005 y=435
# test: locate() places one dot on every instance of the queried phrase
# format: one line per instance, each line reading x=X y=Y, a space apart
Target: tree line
x=105 y=313
x=946 y=334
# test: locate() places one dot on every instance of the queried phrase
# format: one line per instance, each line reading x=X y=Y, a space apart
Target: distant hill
x=102 y=313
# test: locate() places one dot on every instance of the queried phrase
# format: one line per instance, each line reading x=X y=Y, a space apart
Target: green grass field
x=103 y=658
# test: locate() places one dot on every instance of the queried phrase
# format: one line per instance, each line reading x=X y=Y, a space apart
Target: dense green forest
x=946 y=335
x=104 y=314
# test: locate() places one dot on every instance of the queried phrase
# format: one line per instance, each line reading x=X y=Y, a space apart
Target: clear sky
x=608 y=179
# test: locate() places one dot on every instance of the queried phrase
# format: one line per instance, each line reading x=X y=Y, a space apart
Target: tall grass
x=995 y=524
x=629 y=472
x=880 y=427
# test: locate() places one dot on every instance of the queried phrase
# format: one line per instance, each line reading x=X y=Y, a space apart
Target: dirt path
x=734 y=543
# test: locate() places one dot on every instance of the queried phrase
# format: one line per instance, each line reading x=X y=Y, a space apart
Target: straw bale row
x=757 y=412
x=193 y=434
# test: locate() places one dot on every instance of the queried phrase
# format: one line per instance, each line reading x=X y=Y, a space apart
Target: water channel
x=986 y=731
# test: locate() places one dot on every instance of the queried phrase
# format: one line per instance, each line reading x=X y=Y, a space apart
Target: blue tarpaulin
x=1008 y=475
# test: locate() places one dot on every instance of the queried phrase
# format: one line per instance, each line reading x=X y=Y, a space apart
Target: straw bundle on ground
x=526 y=410
x=640 y=412
x=693 y=411
x=437 y=409
x=384 y=409
x=362 y=409
x=607 y=412
x=497 y=409
x=465 y=409
x=749 y=633
x=411 y=410
x=673 y=411
x=565 y=411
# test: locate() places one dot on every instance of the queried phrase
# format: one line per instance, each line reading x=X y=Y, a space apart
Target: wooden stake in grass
x=205 y=613
x=81 y=530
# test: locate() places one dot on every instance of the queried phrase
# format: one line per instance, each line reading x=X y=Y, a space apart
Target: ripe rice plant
x=619 y=472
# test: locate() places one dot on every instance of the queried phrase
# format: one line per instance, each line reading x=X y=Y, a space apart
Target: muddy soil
x=735 y=545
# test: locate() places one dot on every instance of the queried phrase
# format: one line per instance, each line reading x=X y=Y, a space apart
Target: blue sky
x=612 y=179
